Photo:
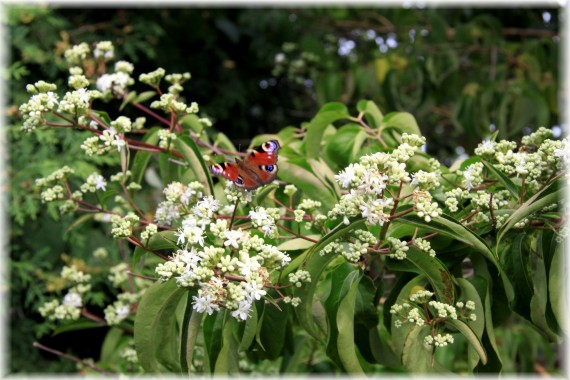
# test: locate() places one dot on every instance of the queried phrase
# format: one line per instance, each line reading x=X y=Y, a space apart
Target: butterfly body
x=258 y=168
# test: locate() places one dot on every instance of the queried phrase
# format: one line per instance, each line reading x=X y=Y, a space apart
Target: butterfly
x=258 y=168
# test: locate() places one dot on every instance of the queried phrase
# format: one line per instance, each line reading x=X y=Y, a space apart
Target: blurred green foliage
x=256 y=70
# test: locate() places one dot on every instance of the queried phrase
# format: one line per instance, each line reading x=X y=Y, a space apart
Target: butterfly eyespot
x=268 y=168
x=239 y=181
x=270 y=146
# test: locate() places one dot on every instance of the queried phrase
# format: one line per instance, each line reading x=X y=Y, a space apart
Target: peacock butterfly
x=258 y=168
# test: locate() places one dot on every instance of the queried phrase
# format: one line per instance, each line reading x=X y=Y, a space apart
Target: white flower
x=192 y=234
x=104 y=82
x=247 y=265
x=254 y=292
x=232 y=238
x=122 y=312
x=242 y=311
x=72 y=299
x=345 y=177
x=204 y=304
x=83 y=96
x=207 y=207
x=100 y=183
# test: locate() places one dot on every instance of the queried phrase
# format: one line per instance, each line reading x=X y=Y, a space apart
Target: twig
x=73 y=358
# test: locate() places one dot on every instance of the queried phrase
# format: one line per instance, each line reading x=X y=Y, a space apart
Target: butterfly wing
x=257 y=169
x=262 y=161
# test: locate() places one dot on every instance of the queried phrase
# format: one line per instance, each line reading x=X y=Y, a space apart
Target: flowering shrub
x=226 y=278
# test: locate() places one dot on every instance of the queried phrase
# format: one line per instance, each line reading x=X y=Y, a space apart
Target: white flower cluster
x=424 y=206
x=122 y=227
x=177 y=79
x=438 y=340
x=439 y=312
x=53 y=185
x=398 y=248
x=118 y=81
x=117 y=312
x=352 y=251
x=118 y=274
x=368 y=179
x=168 y=103
x=165 y=137
x=178 y=198
x=149 y=230
x=77 y=101
x=425 y=180
x=153 y=78
x=93 y=183
x=473 y=175
x=425 y=246
x=466 y=309
x=536 y=160
x=104 y=50
x=44 y=100
x=443 y=310
x=77 y=54
x=421 y=296
x=53 y=310
x=453 y=197
x=290 y=190
x=300 y=277
x=70 y=306
x=129 y=353
x=230 y=267
x=265 y=219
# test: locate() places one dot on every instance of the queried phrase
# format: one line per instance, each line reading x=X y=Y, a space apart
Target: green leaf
x=345 y=325
x=343 y=147
x=503 y=179
x=127 y=99
x=112 y=344
x=273 y=330
x=416 y=358
x=372 y=113
x=196 y=164
x=227 y=360
x=190 y=330
x=249 y=331
x=144 y=96
x=212 y=329
x=328 y=114
x=80 y=324
x=399 y=334
x=169 y=171
x=163 y=240
x=315 y=265
x=142 y=158
x=337 y=277
x=156 y=335
x=469 y=293
x=472 y=338
x=306 y=181
x=545 y=197
x=403 y=122
x=494 y=363
x=191 y=121
x=539 y=301
x=436 y=272
x=298 y=243
x=556 y=288
x=324 y=173
x=515 y=262
x=450 y=227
